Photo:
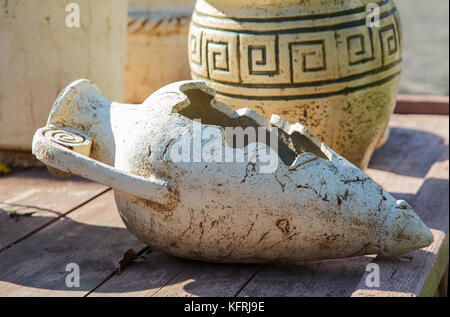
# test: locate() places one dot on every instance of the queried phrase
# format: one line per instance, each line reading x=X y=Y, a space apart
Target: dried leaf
x=4 y=169
x=131 y=256
x=127 y=259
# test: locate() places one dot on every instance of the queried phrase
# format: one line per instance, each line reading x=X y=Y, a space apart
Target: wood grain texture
x=143 y=278
x=420 y=272
x=332 y=278
x=161 y=275
x=31 y=199
x=416 y=142
x=93 y=237
x=209 y=280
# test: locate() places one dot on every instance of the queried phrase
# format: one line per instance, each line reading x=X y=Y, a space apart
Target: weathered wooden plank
x=416 y=104
x=93 y=236
x=401 y=165
x=161 y=275
x=423 y=271
x=143 y=278
x=209 y=280
x=333 y=278
x=32 y=198
x=164 y=276
x=416 y=142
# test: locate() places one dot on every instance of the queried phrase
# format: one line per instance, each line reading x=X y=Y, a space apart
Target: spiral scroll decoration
x=73 y=141
x=64 y=137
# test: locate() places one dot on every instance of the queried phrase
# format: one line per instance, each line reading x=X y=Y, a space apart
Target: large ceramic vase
x=156 y=46
x=315 y=62
x=43 y=48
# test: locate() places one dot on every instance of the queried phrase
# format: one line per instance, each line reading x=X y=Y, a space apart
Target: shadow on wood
x=409 y=152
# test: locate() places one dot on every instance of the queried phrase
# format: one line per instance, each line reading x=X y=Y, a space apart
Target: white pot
x=305 y=202
x=40 y=55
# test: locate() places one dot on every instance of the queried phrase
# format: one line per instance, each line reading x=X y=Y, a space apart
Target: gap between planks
x=53 y=221
x=423 y=270
x=30 y=199
x=93 y=236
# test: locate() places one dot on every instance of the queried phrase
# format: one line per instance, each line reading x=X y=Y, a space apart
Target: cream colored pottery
x=156 y=46
x=40 y=55
x=315 y=62
x=313 y=205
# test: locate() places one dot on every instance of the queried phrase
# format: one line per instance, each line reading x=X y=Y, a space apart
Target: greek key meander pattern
x=299 y=58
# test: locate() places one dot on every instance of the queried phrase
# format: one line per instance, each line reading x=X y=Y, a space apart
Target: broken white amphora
x=312 y=204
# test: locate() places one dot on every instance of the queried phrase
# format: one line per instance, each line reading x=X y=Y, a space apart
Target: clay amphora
x=46 y=44
x=315 y=62
x=307 y=204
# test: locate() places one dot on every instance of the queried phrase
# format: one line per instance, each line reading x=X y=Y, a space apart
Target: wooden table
x=46 y=224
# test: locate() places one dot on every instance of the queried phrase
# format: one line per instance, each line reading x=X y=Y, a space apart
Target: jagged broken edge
x=276 y=121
